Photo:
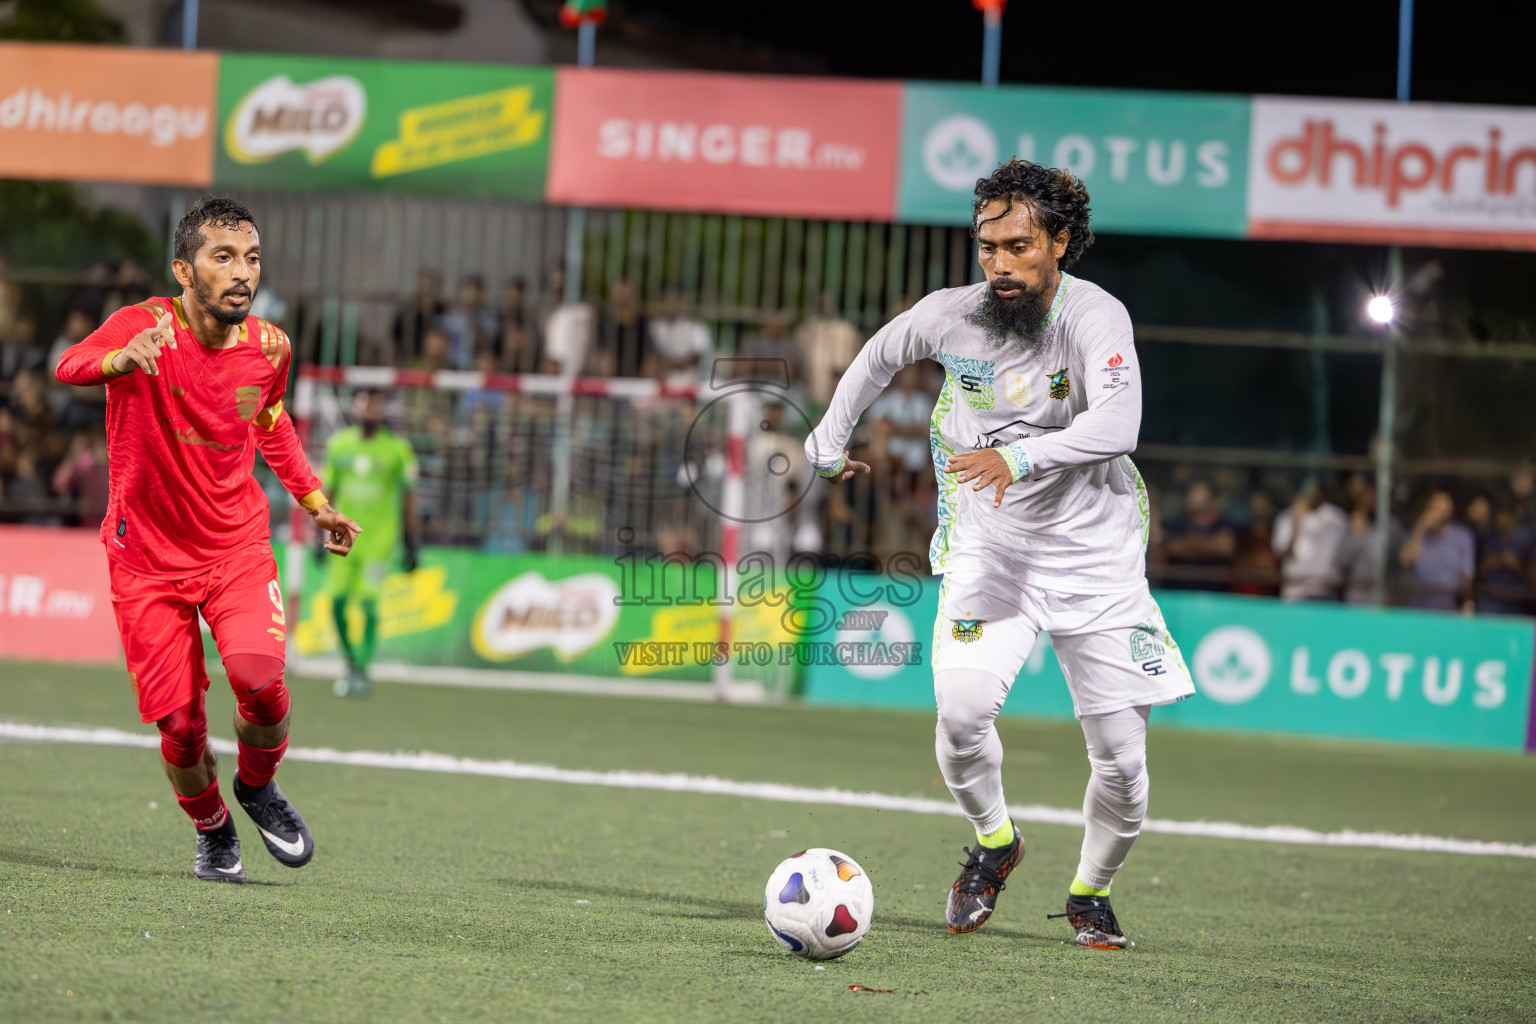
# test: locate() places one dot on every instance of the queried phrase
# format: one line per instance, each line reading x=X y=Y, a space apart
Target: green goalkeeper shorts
x=355 y=577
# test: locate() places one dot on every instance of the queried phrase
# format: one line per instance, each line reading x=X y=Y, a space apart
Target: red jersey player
x=194 y=387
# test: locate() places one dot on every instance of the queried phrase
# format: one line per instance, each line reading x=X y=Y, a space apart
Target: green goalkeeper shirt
x=367 y=478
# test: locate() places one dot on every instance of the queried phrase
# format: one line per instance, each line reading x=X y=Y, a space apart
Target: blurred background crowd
x=490 y=456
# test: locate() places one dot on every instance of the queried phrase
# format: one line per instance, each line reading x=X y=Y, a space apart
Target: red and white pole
x=733 y=503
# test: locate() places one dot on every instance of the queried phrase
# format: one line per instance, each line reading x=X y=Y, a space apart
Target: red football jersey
x=181 y=445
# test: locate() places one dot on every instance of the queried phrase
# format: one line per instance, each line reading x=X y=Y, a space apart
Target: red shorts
x=157 y=619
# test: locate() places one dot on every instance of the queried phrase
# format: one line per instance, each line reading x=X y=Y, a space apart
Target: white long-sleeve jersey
x=1064 y=416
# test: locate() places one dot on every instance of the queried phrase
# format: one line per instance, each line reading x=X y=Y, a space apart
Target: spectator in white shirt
x=901 y=418
x=1309 y=540
x=681 y=348
x=827 y=344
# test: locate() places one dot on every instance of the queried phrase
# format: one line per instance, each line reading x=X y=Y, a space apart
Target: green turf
x=440 y=898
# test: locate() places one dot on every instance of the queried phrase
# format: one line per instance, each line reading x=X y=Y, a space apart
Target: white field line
x=551 y=682
x=677 y=782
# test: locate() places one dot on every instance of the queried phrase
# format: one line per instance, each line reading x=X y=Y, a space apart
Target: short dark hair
x=1056 y=200
x=217 y=211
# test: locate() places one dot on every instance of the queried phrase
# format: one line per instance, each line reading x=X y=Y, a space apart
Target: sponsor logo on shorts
x=1061 y=387
x=967 y=631
x=1145 y=645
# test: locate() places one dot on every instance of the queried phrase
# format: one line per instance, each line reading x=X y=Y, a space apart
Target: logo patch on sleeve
x=1061 y=387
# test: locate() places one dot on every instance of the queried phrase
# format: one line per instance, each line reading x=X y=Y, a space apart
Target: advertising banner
x=1154 y=163
x=54 y=604
x=99 y=113
x=328 y=122
x=746 y=144
x=534 y=613
x=1412 y=174
x=1260 y=665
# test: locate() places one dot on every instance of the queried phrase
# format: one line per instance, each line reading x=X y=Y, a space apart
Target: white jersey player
x=1043 y=524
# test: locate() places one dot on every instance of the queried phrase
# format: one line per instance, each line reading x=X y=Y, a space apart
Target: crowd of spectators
x=1457 y=548
x=53 y=453
x=1252 y=532
x=623 y=336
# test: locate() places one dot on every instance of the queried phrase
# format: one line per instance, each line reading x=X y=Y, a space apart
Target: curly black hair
x=209 y=211
x=1056 y=200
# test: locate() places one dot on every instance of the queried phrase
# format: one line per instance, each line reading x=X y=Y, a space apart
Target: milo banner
x=1263 y=666
x=534 y=613
x=313 y=123
x=1154 y=163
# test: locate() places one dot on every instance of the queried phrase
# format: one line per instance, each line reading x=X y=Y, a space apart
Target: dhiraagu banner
x=1154 y=163
x=1263 y=666
x=300 y=123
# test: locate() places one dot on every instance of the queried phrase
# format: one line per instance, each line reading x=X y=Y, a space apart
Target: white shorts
x=1115 y=649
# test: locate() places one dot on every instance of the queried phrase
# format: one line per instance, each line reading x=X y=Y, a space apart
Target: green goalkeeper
x=376 y=469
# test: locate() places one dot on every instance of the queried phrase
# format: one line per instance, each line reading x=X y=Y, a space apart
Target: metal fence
x=1253 y=415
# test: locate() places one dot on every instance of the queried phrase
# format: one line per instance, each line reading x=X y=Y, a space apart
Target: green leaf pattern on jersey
x=972 y=378
x=938 y=549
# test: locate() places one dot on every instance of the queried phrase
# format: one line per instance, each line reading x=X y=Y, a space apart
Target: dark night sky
x=1465 y=52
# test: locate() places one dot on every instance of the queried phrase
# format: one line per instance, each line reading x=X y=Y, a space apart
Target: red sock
x=257 y=765
x=207 y=809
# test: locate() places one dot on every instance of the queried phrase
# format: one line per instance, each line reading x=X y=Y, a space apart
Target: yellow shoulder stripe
x=268 y=417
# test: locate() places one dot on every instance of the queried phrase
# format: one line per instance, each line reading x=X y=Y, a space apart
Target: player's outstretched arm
x=1108 y=428
x=842 y=468
x=279 y=444
x=904 y=340
x=117 y=348
x=340 y=531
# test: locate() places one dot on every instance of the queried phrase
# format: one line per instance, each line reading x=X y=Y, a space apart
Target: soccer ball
x=819 y=903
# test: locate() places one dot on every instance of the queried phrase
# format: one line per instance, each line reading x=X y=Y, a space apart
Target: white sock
x=1116 y=801
x=967 y=745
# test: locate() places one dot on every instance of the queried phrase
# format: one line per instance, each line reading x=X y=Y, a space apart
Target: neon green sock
x=1082 y=888
x=370 y=635
x=370 y=631
x=999 y=839
x=339 y=613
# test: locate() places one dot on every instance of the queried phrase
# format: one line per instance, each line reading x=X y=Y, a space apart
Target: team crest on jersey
x=967 y=631
x=247 y=401
x=1016 y=387
x=1061 y=387
x=1144 y=643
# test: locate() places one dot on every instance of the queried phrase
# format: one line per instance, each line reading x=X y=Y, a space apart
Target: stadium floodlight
x=1380 y=309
